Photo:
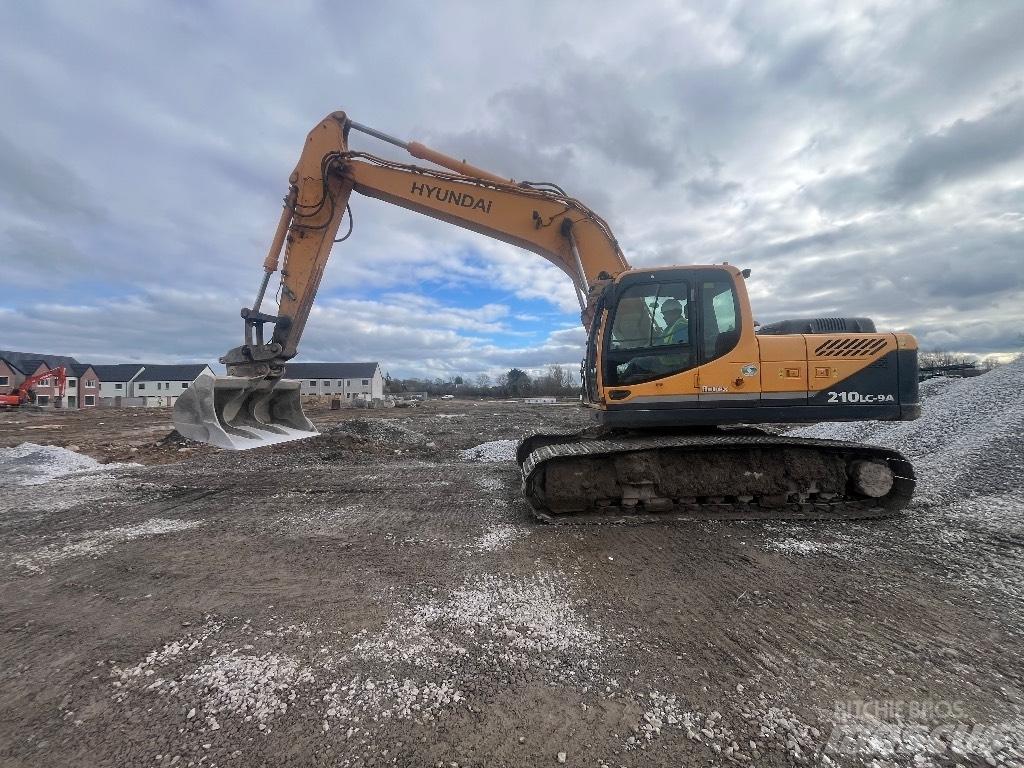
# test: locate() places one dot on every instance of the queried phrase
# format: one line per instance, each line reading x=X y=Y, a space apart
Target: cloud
x=924 y=164
x=35 y=185
x=40 y=258
x=411 y=334
x=965 y=149
x=860 y=159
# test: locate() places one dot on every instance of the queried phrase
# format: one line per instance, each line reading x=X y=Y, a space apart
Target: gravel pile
x=662 y=710
x=347 y=704
x=216 y=676
x=490 y=483
x=767 y=731
x=31 y=464
x=315 y=521
x=157 y=661
x=495 y=450
x=499 y=537
x=969 y=439
x=795 y=546
x=422 y=665
x=878 y=742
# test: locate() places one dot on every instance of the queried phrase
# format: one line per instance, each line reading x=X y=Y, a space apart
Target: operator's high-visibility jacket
x=677 y=333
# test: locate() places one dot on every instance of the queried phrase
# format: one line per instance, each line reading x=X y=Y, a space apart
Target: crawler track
x=582 y=479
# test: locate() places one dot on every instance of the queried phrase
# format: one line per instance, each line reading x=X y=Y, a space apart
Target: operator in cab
x=677 y=329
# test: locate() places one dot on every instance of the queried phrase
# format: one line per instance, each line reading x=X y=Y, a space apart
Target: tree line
x=938 y=358
x=554 y=381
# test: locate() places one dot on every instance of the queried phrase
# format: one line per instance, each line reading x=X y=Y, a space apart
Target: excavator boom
x=252 y=406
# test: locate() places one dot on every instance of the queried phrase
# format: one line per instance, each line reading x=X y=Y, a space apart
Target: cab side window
x=719 y=319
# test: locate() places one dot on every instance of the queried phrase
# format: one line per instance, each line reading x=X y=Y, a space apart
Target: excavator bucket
x=239 y=413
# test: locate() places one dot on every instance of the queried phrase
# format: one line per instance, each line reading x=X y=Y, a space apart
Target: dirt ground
x=375 y=597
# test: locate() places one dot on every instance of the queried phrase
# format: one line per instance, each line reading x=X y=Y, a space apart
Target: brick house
x=10 y=376
x=24 y=367
x=47 y=391
x=89 y=386
x=81 y=388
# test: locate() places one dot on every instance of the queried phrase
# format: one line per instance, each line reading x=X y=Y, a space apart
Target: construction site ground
x=381 y=595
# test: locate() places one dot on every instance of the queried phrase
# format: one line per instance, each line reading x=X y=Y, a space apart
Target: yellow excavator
x=676 y=370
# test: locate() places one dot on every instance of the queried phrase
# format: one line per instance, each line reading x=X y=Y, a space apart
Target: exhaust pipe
x=238 y=413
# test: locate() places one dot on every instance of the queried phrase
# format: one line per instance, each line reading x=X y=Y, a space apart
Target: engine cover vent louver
x=851 y=347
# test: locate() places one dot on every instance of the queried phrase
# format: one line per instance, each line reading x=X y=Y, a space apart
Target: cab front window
x=660 y=328
x=651 y=334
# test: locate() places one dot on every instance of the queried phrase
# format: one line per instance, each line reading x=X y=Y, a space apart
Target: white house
x=162 y=384
x=349 y=381
x=116 y=381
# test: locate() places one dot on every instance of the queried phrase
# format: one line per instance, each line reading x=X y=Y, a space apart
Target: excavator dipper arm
x=539 y=218
x=251 y=406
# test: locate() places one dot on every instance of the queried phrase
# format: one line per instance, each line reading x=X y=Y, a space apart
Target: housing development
x=138 y=384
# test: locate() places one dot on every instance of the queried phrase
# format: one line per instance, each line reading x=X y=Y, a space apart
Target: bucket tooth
x=238 y=413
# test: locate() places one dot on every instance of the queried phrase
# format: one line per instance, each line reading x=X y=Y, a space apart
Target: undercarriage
x=588 y=477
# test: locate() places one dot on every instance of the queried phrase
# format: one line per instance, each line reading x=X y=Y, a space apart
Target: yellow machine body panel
x=783 y=366
x=728 y=371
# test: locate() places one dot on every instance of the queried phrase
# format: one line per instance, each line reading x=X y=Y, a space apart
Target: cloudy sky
x=860 y=158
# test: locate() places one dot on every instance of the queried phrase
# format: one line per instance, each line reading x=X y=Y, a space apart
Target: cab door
x=649 y=351
x=730 y=374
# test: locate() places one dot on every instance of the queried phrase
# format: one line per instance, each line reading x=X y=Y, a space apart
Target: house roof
x=79 y=369
x=11 y=363
x=330 y=370
x=186 y=372
x=27 y=362
x=29 y=365
x=119 y=372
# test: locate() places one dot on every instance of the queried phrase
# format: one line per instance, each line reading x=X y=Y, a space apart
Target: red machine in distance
x=23 y=393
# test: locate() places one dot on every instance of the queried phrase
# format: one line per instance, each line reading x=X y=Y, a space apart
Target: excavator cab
x=658 y=324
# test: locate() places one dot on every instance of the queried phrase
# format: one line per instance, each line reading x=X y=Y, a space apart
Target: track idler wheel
x=871 y=479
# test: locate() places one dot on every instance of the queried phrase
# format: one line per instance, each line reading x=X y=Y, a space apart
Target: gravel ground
x=380 y=595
